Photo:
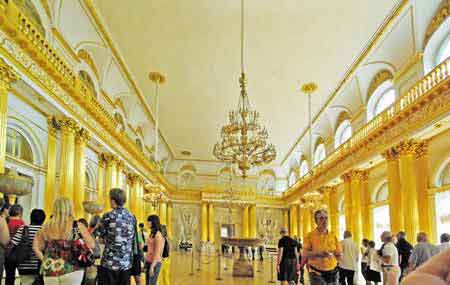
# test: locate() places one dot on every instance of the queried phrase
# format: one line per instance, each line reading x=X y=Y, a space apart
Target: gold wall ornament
x=309 y=88
x=157 y=77
x=439 y=17
x=378 y=79
x=87 y=58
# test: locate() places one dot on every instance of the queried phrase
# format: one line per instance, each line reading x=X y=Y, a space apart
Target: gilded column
x=132 y=178
x=356 y=188
x=163 y=213
x=395 y=194
x=366 y=210
x=7 y=77
x=348 y=201
x=119 y=174
x=204 y=221
x=211 y=228
x=140 y=200
x=300 y=222
x=293 y=219
x=81 y=138
x=333 y=210
x=110 y=177
x=286 y=219
x=253 y=225
x=67 y=157
x=307 y=226
x=425 y=210
x=245 y=230
x=407 y=151
x=50 y=189
x=169 y=220
x=101 y=180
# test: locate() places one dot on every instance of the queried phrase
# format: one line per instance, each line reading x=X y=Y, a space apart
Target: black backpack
x=166 y=249
x=23 y=250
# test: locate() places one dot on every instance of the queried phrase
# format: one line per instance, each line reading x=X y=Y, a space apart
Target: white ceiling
x=196 y=43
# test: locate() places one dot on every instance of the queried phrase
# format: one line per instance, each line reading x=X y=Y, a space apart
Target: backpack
x=23 y=250
x=166 y=249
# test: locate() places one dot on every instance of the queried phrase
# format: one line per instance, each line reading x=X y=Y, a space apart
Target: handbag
x=23 y=250
x=82 y=255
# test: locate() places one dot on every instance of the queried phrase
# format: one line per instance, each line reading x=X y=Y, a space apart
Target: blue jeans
x=152 y=280
x=316 y=279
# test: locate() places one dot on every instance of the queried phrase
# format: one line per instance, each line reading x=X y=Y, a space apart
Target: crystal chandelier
x=243 y=140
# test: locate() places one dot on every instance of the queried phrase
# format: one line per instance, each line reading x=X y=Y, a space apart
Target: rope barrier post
x=192 y=261
x=271 y=271
x=219 y=266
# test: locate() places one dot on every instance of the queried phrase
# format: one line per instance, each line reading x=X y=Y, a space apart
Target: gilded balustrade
x=422 y=91
x=21 y=30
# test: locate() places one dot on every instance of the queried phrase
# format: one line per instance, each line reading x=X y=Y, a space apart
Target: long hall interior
x=232 y=121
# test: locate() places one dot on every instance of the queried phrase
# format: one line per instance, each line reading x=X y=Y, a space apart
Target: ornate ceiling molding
x=439 y=17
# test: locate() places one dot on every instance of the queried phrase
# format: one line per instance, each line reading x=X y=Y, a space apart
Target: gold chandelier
x=243 y=139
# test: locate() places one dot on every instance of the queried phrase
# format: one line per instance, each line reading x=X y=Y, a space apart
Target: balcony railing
x=17 y=26
x=404 y=104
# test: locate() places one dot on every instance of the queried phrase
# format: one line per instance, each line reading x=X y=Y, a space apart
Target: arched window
x=319 y=153
x=266 y=182
x=381 y=98
x=382 y=195
x=304 y=168
x=343 y=133
x=17 y=146
x=292 y=178
x=119 y=120
x=443 y=51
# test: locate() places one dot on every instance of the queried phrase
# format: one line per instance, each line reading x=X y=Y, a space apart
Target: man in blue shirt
x=117 y=231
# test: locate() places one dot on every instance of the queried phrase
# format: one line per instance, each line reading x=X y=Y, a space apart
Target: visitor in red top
x=14 y=223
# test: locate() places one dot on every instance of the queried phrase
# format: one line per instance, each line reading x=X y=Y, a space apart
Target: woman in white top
x=389 y=260
x=373 y=266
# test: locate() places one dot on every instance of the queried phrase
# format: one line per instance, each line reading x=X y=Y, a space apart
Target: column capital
x=82 y=136
x=110 y=158
x=133 y=177
x=52 y=124
x=412 y=147
x=67 y=125
x=355 y=174
x=390 y=154
x=7 y=75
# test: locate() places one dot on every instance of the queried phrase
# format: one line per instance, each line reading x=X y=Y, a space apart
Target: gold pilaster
x=204 y=221
x=119 y=174
x=395 y=193
x=211 y=227
x=425 y=212
x=140 y=200
x=352 y=200
x=81 y=138
x=253 y=225
x=245 y=230
x=67 y=157
x=300 y=222
x=7 y=77
x=50 y=189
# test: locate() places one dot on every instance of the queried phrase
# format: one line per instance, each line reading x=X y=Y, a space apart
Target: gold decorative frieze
x=7 y=75
x=412 y=147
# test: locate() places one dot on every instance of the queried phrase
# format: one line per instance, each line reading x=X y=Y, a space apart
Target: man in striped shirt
x=29 y=269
